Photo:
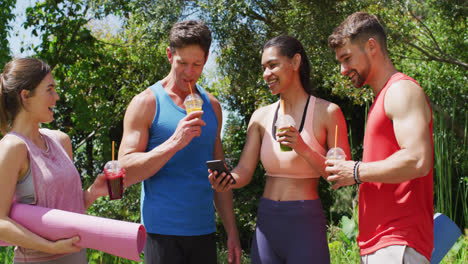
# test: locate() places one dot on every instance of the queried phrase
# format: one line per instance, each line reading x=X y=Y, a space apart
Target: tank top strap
x=54 y=142
x=51 y=139
x=393 y=79
x=308 y=134
x=32 y=148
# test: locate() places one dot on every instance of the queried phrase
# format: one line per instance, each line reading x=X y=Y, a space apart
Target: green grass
x=450 y=164
x=458 y=254
x=223 y=257
x=6 y=255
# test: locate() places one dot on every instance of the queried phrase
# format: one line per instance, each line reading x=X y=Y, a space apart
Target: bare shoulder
x=326 y=108
x=14 y=151
x=144 y=99
x=212 y=98
x=13 y=145
x=261 y=115
x=13 y=164
x=263 y=111
x=64 y=138
x=405 y=87
x=214 y=101
x=142 y=107
x=405 y=96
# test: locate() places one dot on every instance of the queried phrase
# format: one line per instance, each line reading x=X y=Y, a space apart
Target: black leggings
x=290 y=232
x=164 y=249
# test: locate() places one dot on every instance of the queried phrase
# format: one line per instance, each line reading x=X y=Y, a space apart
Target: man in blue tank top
x=166 y=149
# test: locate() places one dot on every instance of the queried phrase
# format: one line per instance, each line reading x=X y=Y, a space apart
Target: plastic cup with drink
x=193 y=102
x=282 y=124
x=114 y=177
x=336 y=153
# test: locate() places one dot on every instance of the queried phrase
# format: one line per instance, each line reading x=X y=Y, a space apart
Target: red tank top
x=393 y=214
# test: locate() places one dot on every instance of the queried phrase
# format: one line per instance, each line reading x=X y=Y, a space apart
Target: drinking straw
x=282 y=104
x=190 y=88
x=192 y=103
x=112 y=149
x=336 y=136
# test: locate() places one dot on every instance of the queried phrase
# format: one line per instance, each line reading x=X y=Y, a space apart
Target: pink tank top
x=57 y=184
x=289 y=164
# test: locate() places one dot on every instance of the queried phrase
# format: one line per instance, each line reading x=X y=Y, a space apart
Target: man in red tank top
x=395 y=194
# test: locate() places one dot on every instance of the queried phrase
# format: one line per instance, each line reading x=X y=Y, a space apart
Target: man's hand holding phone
x=220 y=177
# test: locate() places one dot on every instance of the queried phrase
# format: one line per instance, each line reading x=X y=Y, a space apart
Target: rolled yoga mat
x=119 y=238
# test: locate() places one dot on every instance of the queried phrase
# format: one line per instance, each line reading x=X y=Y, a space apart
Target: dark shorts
x=290 y=232
x=164 y=249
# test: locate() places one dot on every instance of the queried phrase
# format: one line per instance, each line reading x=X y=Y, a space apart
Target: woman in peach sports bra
x=36 y=165
x=291 y=227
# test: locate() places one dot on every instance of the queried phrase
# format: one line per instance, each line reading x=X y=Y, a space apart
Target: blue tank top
x=178 y=199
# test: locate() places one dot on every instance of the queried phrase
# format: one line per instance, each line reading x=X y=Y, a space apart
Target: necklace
x=45 y=143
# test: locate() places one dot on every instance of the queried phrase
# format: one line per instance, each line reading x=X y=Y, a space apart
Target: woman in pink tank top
x=27 y=97
x=291 y=227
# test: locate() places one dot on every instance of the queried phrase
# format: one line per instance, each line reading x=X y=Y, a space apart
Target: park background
x=104 y=52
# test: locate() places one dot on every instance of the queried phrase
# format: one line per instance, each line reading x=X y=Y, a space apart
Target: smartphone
x=220 y=167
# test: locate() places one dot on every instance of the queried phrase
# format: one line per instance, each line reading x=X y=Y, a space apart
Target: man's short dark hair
x=190 y=32
x=358 y=28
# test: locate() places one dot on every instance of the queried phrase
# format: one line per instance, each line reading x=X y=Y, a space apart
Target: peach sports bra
x=289 y=164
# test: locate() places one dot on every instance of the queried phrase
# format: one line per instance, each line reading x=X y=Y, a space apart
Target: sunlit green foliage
x=98 y=70
x=6 y=17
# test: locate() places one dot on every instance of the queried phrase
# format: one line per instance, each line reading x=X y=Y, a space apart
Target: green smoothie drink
x=282 y=124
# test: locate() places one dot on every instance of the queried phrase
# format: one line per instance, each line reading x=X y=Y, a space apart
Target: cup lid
x=192 y=97
x=113 y=166
x=336 y=153
x=285 y=120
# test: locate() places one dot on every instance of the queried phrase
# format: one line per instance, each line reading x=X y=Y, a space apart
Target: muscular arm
x=223 y=200
x=406 y=105
x=141 y=165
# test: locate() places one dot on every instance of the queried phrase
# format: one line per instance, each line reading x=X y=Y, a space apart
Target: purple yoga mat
x=123 y=239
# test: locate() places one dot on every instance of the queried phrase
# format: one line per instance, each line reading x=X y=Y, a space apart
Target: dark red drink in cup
x=114 y=176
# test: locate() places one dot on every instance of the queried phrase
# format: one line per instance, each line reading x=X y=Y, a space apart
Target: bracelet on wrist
x=357 y=180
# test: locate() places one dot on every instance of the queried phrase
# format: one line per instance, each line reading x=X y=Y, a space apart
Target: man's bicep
x=134 y=139
x=136 y=129
x=411 y=131
x=408 y=112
